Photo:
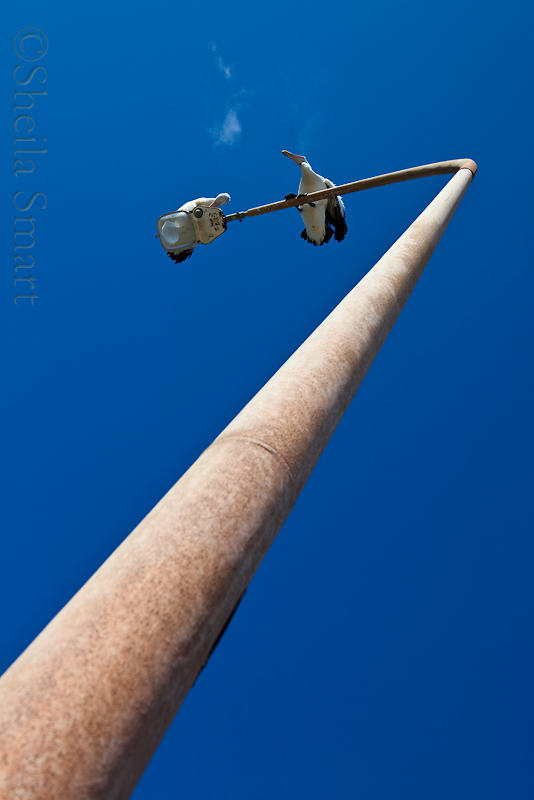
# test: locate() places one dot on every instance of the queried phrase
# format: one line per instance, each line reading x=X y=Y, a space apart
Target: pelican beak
x=297 y=159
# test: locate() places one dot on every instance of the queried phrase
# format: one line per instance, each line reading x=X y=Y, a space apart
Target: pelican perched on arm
x=171 y=232
x=319 y=217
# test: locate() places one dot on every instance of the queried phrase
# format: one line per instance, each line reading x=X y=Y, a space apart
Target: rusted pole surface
x=84 y=707
x=424 y=171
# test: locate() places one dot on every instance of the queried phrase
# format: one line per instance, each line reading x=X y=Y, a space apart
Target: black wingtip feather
x=340 y=231
x=181 y=256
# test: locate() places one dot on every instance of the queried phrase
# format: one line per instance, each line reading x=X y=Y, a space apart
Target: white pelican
x=170 y=231
x=319 y=216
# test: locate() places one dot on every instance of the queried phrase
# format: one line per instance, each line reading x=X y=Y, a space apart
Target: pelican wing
x=335 y=214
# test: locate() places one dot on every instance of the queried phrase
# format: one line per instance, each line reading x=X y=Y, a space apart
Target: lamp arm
x=424 y=171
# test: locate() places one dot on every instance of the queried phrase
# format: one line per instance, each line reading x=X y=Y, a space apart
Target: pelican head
x=297 y=159
x=221 y=200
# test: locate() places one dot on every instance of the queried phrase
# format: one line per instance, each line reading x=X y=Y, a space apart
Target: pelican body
x=180 y=232
x=323 y=215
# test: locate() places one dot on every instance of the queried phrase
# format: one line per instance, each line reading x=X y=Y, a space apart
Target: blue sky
x=384 y=648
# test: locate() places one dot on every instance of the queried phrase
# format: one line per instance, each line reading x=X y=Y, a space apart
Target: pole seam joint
x=260 y=443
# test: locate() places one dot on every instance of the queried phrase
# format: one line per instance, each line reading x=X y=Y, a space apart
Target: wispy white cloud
x=224 y=68
x=308 y=130
x=229 y=131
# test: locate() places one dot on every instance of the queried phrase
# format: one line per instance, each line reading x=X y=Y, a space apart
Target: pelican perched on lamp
x=172 y=233
x=319 y=217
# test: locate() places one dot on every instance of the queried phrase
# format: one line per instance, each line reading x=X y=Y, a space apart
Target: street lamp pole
x=401 y=175
x=84 y=707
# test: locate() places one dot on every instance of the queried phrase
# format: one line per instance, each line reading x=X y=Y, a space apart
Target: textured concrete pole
x=84 y=707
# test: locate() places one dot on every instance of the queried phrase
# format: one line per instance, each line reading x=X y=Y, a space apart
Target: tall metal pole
x=84 y=707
